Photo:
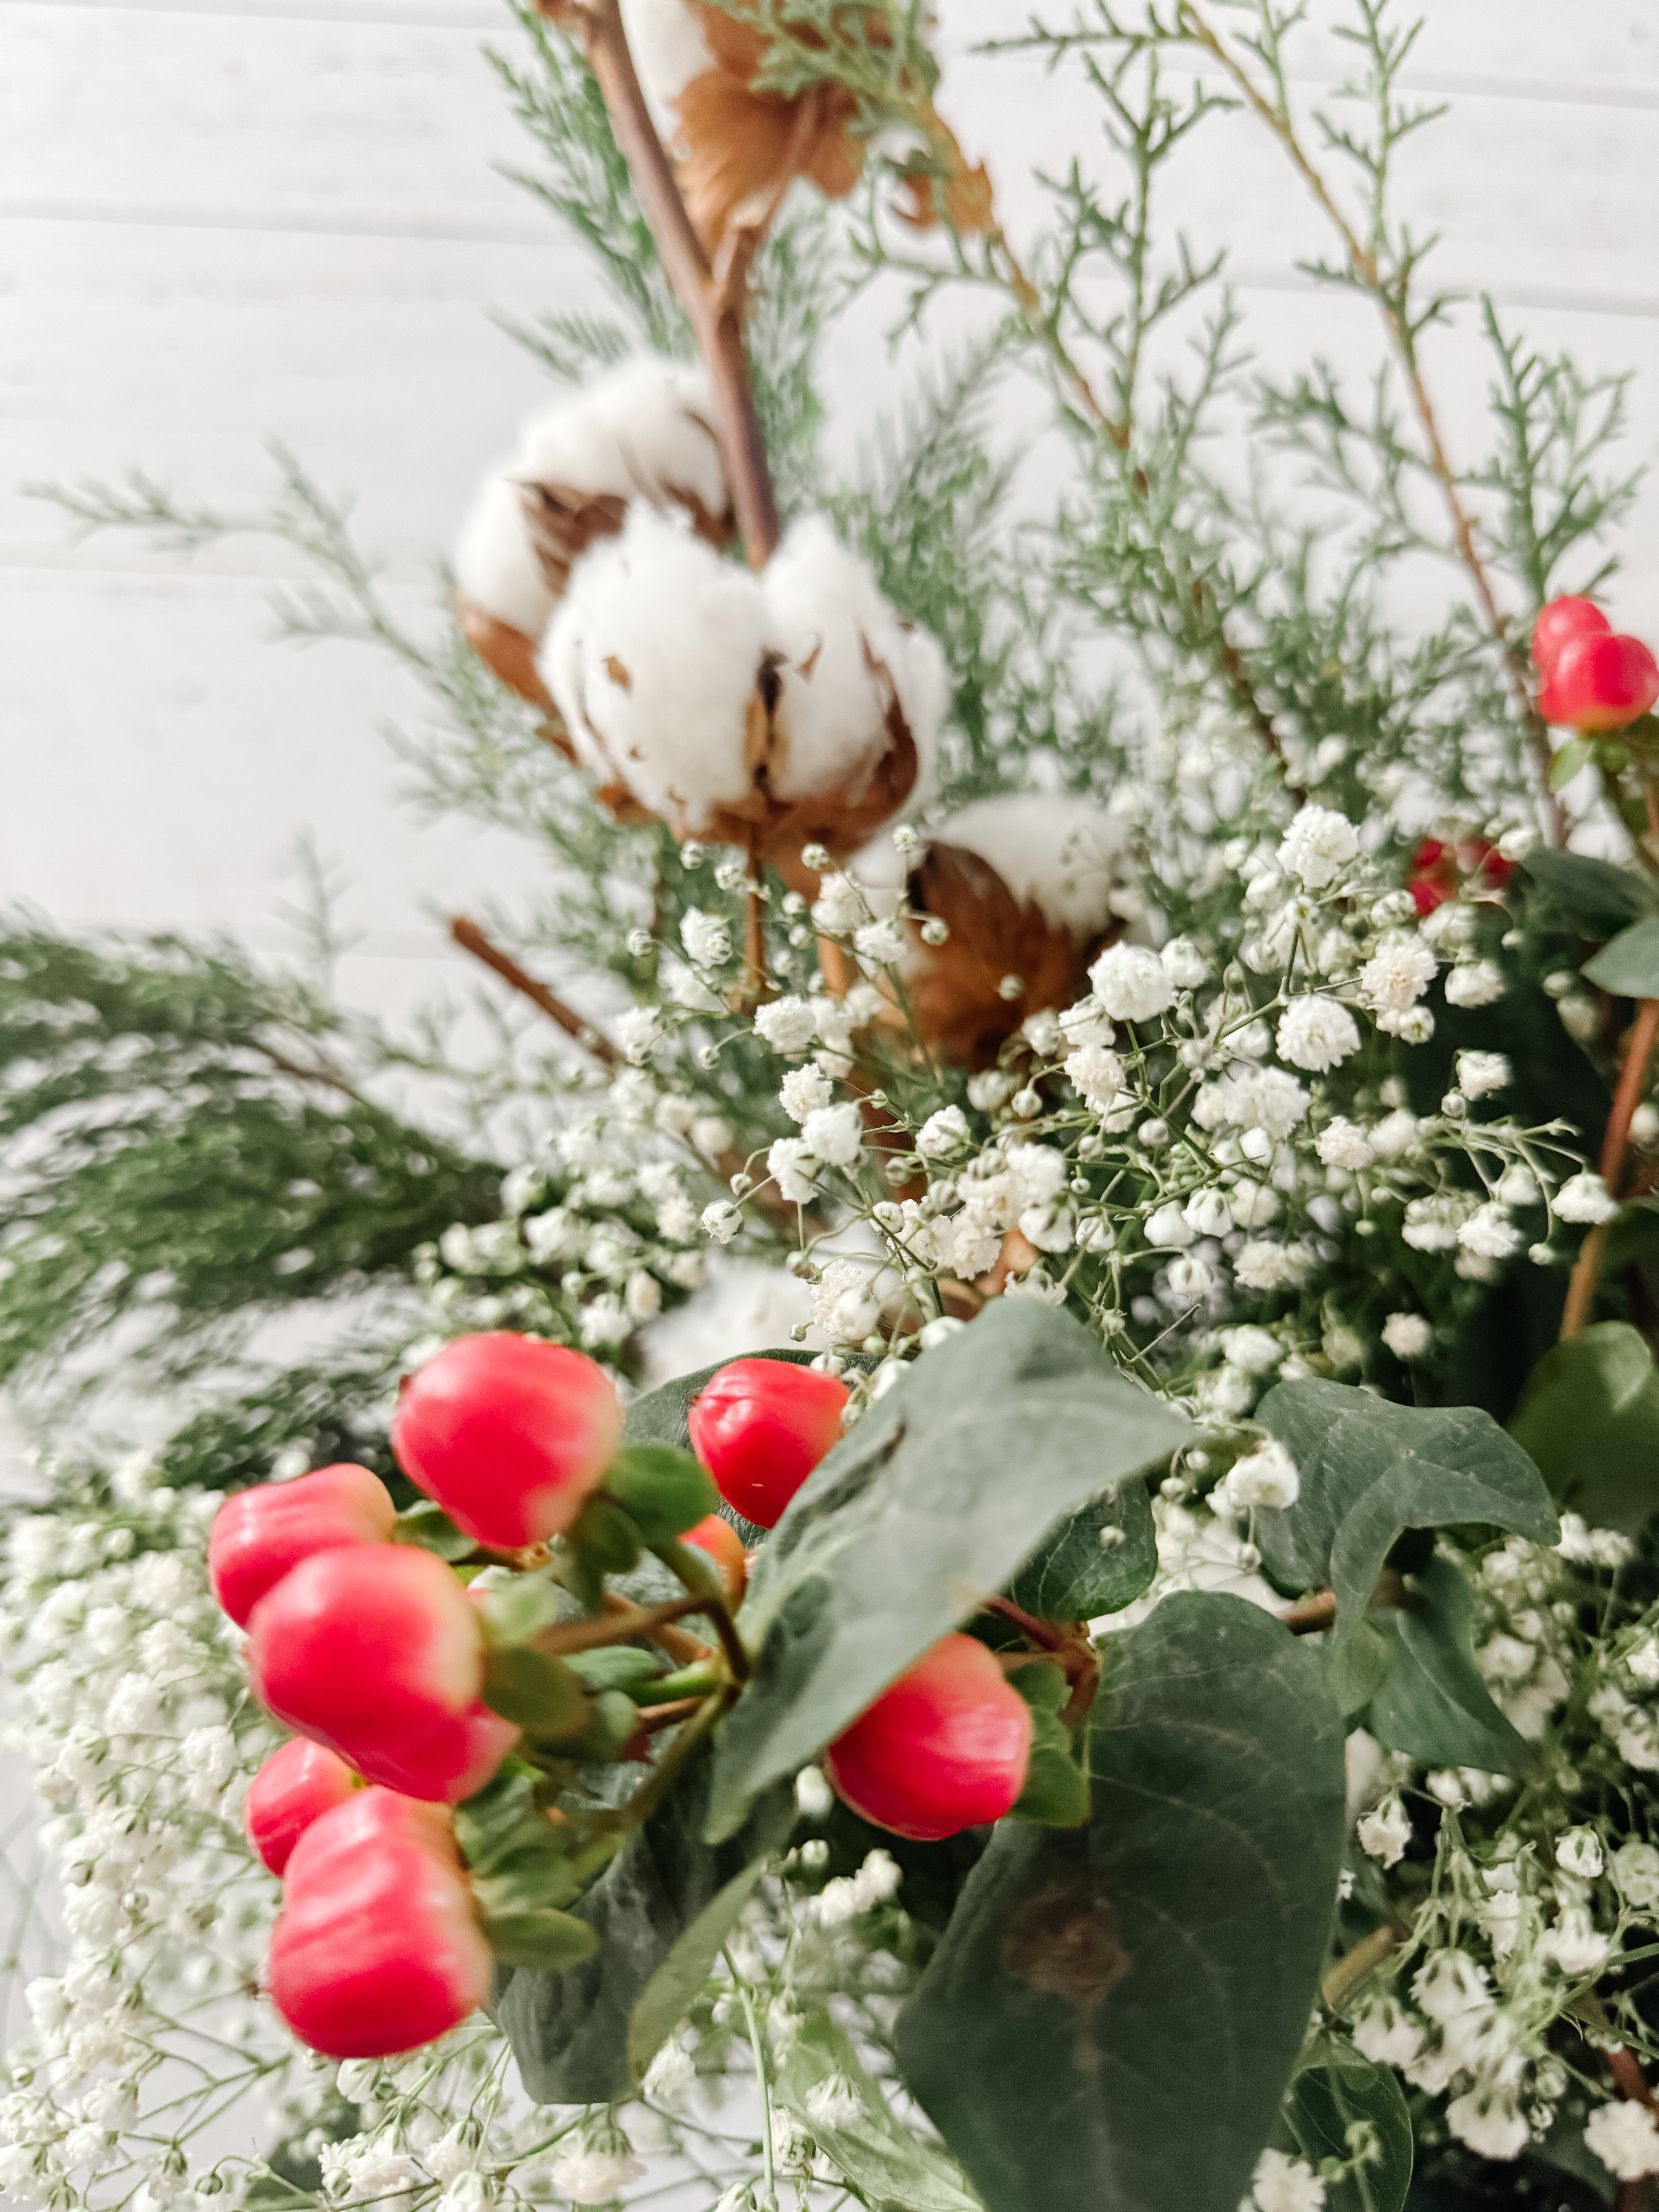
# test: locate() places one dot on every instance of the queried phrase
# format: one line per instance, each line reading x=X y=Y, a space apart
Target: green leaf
x=885 y=2161
x=431 y=1528
x=1340 y=2103
x=1114 y=2014
x=1628 y=966
x=1098 y=1561
x=550 y=1942
x=1056 y=1791
x=616 y=1667
x=1434 y=1704
x=1576 y=753
x=516 y=1609
x=934 y=1500
x=1593 y=897
x=1356 y=1669
x=674 y=1988
x=569 y=2032
x=1589 y=1418
x=664 y=1491
x=1370 y=1471
x=538 y=1694
x=606 y=1537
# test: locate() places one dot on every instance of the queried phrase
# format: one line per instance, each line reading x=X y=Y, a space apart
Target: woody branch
x=713 y=300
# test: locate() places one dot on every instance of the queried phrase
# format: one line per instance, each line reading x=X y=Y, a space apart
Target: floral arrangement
x=973 y=1527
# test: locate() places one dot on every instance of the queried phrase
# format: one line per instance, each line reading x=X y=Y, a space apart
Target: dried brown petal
x=954 y=987
x=506 y=651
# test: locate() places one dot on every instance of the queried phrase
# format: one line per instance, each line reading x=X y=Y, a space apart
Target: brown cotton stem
x=1587 y=1268
x=470 y=939
x=1363 y=263
x=715 y=308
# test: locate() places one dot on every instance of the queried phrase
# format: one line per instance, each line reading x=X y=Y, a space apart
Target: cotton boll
x=666 y=41
x=845 y=662
x=1027 y=886
x=1069 y=859
x=645 y=431
x=653 y=660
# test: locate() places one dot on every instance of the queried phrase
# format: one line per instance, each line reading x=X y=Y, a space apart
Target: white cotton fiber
x=653 y=659
x=669 y=49
x=844 y=654
x=1070 y=859
x=644 y=430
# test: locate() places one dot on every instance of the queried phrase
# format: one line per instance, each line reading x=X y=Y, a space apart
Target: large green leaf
x=1589 y=1418
x=1370 y=1471
x=1434 y=1704
x=933 y=1501
x=1593 y=897
x=1098 y=1559
x=1112 y=2018
x=887 y=2163
x=569 y=2032
x=1341 y=2105
x=1628 y=964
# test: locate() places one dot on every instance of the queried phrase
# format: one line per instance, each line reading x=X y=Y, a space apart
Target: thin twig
x=1363 y=263
x=470 y=939
x=1587 y=1268
x=1369 y=1951
x=715 y=308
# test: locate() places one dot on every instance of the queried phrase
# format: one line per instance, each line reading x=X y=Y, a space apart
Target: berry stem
x=1587 y=1268
x=688 y=1565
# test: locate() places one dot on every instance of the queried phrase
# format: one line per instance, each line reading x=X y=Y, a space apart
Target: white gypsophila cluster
x=641 y=431
x=130 y=1709
x=678 y=674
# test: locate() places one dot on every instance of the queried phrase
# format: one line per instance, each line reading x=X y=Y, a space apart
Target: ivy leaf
x=570 y=2031
x=884 y=2160
x=541 y=1938
x=1576 y=753
x=1098 y=1559
x=1339 y=2103
x=1593 y=897
x=1370 y=1471
x=934 y=1500
x=1434 y=1704
x=1589 y=1418
x=1628 y=964
x=1089 y=1979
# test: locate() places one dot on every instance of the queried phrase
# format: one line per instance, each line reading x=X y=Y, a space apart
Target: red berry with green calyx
x=760 y=1427
x=721 y=1542
x=509 y=1435
x=377 y=1654
x=1559 y=623
x=945 y=1748
x=379 y=1949
x=295 y=1786
x=1599 y=684
x=259 y=1534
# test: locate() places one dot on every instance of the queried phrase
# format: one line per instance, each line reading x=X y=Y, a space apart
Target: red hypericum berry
x=945 y=1748
x=1600 y=683
x=258 y=1535
x=1433 y=876
x=725 y=1547
x=760 y=1427
x=295 y=1786
x=379 y=1949
x=1480 y=858
x=508 y=1434
x=1559 y=623
x=376 y=1653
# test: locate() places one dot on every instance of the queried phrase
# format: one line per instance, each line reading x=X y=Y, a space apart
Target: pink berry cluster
x=376 y=1652
x=1595 y=680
